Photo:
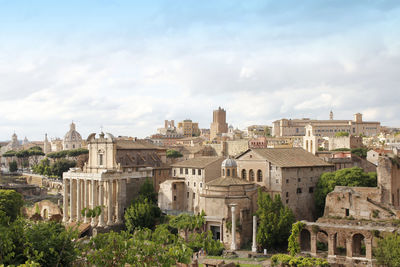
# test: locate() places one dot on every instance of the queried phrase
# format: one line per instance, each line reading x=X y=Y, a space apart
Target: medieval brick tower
x=219 y=125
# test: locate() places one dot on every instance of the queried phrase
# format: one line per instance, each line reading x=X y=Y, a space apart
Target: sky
x=127 y=66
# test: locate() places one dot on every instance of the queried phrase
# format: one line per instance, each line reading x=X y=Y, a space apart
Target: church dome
x=227 y=163
x=72 y=135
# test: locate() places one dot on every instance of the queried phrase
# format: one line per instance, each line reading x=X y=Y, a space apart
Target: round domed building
x=227 y=195
x=72 y=139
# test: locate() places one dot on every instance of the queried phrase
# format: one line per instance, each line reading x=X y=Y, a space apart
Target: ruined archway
x=305 y=240
x=358 y=243
x=322 y=240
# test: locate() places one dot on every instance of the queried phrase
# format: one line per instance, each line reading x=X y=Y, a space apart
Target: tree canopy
x=340 y=134
x=11 y=203
x=142 y=214
x=387 y=252
x=275 y=221
x=56 y=168
x=345 y=177
x=173 y=154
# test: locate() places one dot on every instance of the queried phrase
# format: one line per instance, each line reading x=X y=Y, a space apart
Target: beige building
x=292 y=173
x=219 y=125
x=72 y=139
x=111 y=178
x=187 y=128
x=195 y=173
x=296 y=127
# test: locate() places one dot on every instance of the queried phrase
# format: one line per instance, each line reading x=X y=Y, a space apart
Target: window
x=233 y=173
x=174 y=198
x=188 y=183
x=251 y=156
x=187 y=194
x=101 y=159
x=194 y=195
x=259 y=176
x=347 y=212
x=186 y=171
x=311 y=190
x=194 y=184
x=298 y=191
x=287 y=201
x=174 y=172
x=244 y=174
x=287 y=194
x=73 y=146
x=251 y=175
x=174 y=186
x=228 y=172
x=201 y=185
x=223 y=172
x=193 y=171
x=298 y=179
x=287 y=181
x=199 y=171
x=181 y=170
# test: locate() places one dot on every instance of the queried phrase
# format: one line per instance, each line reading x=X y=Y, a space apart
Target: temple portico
x=89 y=190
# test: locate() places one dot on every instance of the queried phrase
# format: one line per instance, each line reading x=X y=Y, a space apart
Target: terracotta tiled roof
x=138 y=144
x=199 y=162
x=226 y=181
x=290 y=157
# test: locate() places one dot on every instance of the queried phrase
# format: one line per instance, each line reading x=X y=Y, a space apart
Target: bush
x=173 y=154
x=297 y=261
x=13 y=167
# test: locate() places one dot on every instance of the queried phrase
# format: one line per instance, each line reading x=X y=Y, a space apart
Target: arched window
x=234 y=175
x=223 y=172
x=244 y=174
x=259 y=176
x=251 y=175
x=228 y=172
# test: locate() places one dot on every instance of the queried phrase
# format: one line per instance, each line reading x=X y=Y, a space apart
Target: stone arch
x=322 y=240
x=259 y=176
x=244 y=174
x=305 y=240
x=45 y=214
x=251 y=175
x=358 y=244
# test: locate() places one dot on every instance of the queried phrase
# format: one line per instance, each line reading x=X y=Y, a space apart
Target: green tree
x=77 y=152
x=51 y=244
x=173 y=154
x=345 y=177
x=13 y=166
x=187 y=222
x=12 y=241
x=9 y=154
x=293 y=241
x=61 y=166
x=387 y=252
x=340 y=134
x=11 y=203
x=147 y=191
x=275 y=221
x=361 y=152
x=142 y=214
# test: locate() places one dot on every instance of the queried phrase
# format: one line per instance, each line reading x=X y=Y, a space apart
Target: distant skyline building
x=219 y=125
x=72 y=139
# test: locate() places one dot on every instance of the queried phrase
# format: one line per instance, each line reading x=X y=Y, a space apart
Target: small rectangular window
x=188 y=183
x=174 y=198
x=311 y=190
x=287 y=201
x=181 y=170
x=287 y=181
x=174 y=186
x=186 y=171
x=194 y=184
x=347 y=212
x=298 y=179
x=187 y=194
x=201 y=185
x=298 y=191
x=193 y=171
x=287 y=194
x=199 y=171
x=194 y=195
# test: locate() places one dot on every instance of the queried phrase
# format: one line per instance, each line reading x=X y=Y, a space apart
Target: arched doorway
x=322 y=241
x=358 y=243
x=305 y=240
x=45 y=214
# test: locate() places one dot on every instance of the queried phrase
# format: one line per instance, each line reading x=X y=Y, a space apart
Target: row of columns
x=332 y=245
x=233 y=230
x=90 y=193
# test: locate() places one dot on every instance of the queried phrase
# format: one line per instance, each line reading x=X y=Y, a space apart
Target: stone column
x=117 y=202
x=313 y=247
x=92 y=201
x=254 y=246
x=349 y=247
x=331 y=244
x=368 y=248
x=233 y=242
x=85 y=199
x=78 y=200
x=65 y=201
x=71 y=200
x=110 y=203
x=101 y=200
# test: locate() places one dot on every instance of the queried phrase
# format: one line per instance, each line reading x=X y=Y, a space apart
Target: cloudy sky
x=129 y=65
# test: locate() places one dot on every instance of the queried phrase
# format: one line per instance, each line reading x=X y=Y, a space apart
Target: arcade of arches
x=251 y=176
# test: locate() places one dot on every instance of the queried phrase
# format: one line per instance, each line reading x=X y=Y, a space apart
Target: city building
x=111 y=178
x=296 y=127
x=194 y=173
x=187 y=128
x=219 y=125
x=72 y=139
x=292 y=173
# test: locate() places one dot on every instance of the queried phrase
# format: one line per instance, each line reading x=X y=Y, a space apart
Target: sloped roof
x=199 y=162
x=289 y=157
x=226 y=181
x=138 y=144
